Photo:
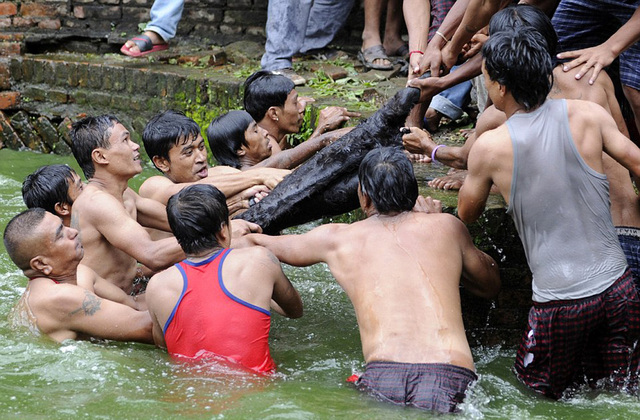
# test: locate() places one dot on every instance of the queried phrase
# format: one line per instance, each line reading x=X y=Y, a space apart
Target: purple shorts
x=593 y=338
x=430 y=386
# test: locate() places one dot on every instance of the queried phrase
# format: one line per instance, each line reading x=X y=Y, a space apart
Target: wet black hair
x=226 y=136
x=87 y=135
x=387 y=177
x=520 y=61
x=519 y=15
x=263 y=90
x=166 y=130
x=47 y=186
x=196 y=214
x=19 y=228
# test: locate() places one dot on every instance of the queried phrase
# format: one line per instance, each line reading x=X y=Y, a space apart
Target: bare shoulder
x=62 y=300
x=161 y=280
x=152 y=184
x=96 y=203
x=584 y=111
x=254 y=256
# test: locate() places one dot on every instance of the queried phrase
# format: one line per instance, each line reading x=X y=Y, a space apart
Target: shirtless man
x=546 y=161
x=273 y=102
x=176 y=147
x=108 y=214
x=53 y=188
x=402 y=272
x=63 y=299
x=217 y=301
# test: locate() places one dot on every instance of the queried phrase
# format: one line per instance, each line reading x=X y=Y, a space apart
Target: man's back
x=218 y=305
x=402 y=274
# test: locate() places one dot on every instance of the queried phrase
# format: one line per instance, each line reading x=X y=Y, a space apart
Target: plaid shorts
x=436 y=387
x=629 y=238
x=593 y=338
x=439 y=10
x=587 y=23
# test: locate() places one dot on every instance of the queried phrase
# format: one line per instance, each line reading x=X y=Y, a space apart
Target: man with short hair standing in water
x=402 y=270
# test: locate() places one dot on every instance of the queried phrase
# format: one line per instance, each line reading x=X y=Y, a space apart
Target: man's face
x=292 y=114
x=257 y=139
x=188 y=160
x=123 y=154
x=61 y=244
x=75 y=187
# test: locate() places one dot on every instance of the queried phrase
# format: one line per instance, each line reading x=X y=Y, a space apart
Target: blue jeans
x=451 y=101
x=165 y=15
x=299 y=27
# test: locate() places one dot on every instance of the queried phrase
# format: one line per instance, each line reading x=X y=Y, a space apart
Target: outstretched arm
x=76 y=309
x=290 y=158
x=160 y=189
x=300 y=250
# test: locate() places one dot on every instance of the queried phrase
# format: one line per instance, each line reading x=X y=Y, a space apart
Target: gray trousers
x=299 y=26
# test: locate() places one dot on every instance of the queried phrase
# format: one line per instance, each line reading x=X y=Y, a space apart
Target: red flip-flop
x=145 y=45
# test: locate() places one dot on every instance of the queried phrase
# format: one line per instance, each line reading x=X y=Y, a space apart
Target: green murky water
x=315 y=354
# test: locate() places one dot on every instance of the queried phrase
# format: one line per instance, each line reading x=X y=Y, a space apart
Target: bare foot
x=452 y=181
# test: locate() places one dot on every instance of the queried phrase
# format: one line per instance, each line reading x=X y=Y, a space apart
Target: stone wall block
x=37 y=93
x=10 y=48
x=46 y=131
x=218 y=3
x=38 y=10
x=49 y=72
x=15 y=68
x=245 y=17
x=95 y=76
x=24 y=129
x=5 y=75
x=9 y=135
x=9 y=100
x=57 y=96
x=136 y=14
x=64 y=128
x=203 y=15
x=134 y=80
x=231 y=29
x=82 y=73
x=20 y=22
x=240 y=4
x=5 y=23
x=72 y=73
x=52 y=24
x=8 y=9
x=38 y=72
x=107 y=13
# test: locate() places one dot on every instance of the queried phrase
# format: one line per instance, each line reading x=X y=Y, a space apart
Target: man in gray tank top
x=546 y=161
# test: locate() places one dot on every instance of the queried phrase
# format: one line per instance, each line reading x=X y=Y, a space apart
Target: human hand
x=240 y=227
x=427 y=205
x=431 y=60
x=474 y=46
x=597 y=57
x=333 y=117
x=429 y=87
x=415 y=58
x=270 y=177
x=417 y=140
x=253 y=195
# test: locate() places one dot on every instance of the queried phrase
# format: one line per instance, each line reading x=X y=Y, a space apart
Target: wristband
x=433 y=152
x=415 y=52
x=441 y=35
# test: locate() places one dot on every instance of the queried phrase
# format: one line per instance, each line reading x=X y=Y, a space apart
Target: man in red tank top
x=217 y=302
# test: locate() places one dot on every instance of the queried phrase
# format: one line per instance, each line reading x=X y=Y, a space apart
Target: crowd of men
x=555 y=147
